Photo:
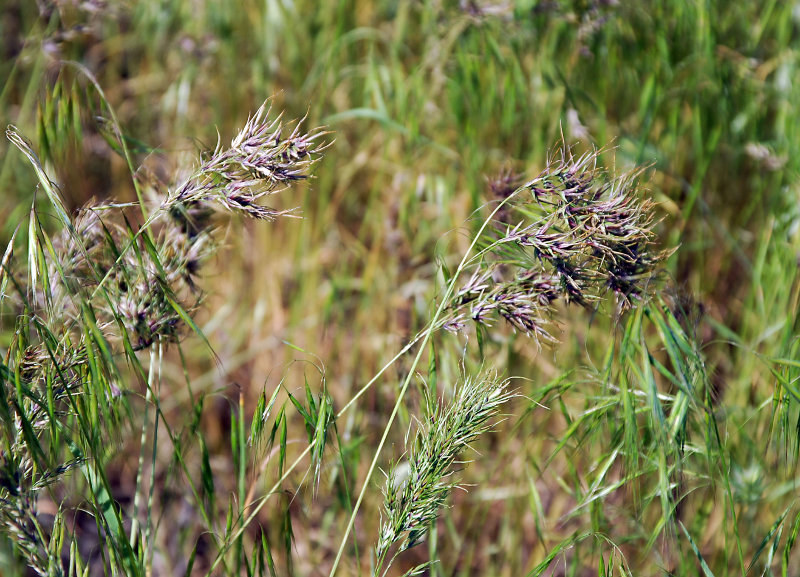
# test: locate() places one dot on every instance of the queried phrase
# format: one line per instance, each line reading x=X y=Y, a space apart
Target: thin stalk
x=428 y=332
x=147 y=543
x=386 y=430
x=142 y=440
x=425 y=334
x=242 y=458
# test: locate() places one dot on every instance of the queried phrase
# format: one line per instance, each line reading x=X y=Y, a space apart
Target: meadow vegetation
x=483 y=288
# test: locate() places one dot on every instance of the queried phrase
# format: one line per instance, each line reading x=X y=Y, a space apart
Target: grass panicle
x=572 y=234
x=260 y=161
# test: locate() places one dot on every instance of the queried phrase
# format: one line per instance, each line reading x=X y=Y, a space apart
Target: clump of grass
x=414 y=494
x=105 y=288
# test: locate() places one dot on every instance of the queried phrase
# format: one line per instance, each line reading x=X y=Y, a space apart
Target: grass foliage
x=195 y=383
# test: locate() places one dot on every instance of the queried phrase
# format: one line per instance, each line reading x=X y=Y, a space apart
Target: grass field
x=243 y=419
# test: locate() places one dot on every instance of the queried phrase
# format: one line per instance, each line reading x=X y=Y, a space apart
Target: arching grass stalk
x=424 y=335
x=577 y=237
x=427 y=333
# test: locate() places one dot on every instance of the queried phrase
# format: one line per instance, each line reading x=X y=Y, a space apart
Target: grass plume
x=415 y=494
x=571 y=234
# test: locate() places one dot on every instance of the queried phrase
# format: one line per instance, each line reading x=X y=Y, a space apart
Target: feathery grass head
x=260 y=161
x=142 y=279
x=413 y=498
x=572 y=233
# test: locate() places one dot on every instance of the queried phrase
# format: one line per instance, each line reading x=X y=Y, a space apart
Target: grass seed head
x=414 y=494
x=573 y=233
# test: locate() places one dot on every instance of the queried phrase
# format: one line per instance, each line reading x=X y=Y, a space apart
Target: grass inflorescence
x=100 y=291
x=415 y=494
x=570 y=234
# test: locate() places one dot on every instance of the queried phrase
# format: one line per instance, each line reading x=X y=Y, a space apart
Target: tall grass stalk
x=588 y=205
x=443 y=304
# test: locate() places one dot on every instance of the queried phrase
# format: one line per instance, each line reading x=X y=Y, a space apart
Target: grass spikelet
x=416 y=491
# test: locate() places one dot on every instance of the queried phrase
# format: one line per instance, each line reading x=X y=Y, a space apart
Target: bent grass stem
x=427 y=336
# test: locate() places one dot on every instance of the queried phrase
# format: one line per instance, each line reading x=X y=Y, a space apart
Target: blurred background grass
x=426 y=101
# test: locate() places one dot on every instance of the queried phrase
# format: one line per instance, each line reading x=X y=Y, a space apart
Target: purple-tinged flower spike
x=572 y=234
x=259 y=162
x=149 y=280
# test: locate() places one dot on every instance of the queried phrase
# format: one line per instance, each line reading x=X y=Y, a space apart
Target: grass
x=661 y=440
